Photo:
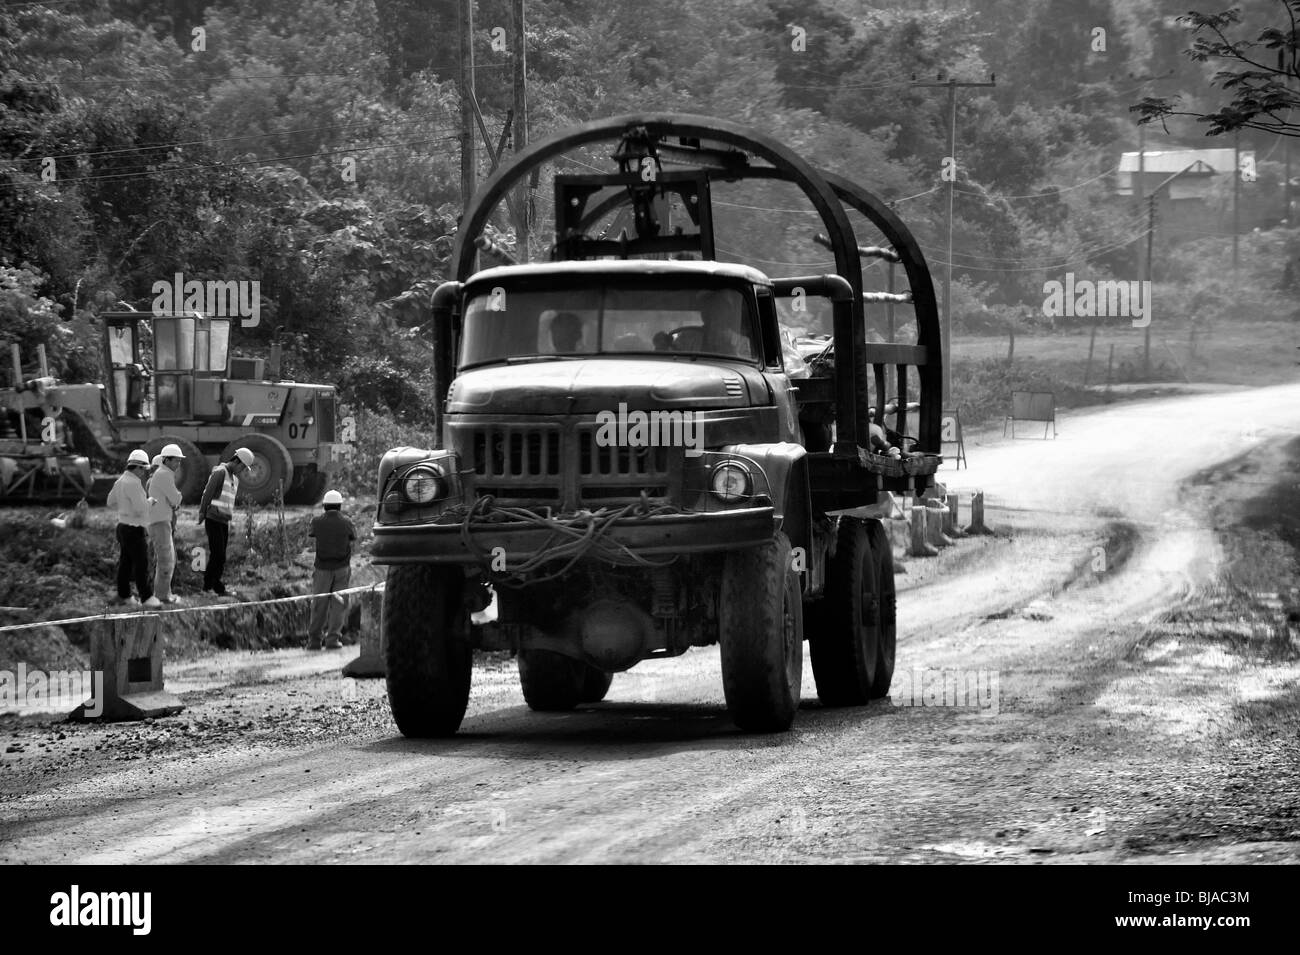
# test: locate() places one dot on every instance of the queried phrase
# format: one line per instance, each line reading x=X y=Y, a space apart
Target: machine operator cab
x=184 y=357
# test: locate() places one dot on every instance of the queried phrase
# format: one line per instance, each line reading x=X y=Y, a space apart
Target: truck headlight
x=424 y=484
x=731 y=482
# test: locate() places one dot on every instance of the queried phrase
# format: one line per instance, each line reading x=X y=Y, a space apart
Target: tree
x=1262 y=97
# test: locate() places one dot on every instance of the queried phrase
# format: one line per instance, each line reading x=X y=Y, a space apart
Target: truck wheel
x=551 y=681
x=429 y=657
x=882 y=555
x=192 y=478
x=761 y=636
x=846 y=645
x=595 y=684
x=271 y=465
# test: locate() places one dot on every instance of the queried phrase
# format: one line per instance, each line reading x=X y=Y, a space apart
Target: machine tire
x=272 y=465
x=552 y=682
x=882 y=555
x=846 y=645
x=309 y=486
x=192 y=478
x=595 y=684
x=429 y=659
x=760 y=633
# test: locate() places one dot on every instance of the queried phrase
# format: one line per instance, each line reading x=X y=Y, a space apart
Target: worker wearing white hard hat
x=216 y=511
x=162 y=521
x=334 y=535
x=132 y=504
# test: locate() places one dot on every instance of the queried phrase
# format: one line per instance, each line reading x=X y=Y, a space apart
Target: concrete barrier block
x=921 y=546
x=977 y=525
x=371 y=661
x=128 y=651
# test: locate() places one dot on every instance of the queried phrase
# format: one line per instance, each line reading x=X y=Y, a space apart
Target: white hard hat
x=332 y=497
x=245 y=455
x=157 y=461
x=137 y=457
x=172 y=451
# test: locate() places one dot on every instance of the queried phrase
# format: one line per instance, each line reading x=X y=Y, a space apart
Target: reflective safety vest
x=225 y=503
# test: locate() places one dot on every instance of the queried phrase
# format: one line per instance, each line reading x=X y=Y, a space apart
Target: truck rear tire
x=761 y=636
x=845 y=646
x=595 y=684
x=271 y=466
x=552 y=682
x=882 y=556
x=429 y=658
x=192 y=478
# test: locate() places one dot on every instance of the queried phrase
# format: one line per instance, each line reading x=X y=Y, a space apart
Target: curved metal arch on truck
x=786 y=165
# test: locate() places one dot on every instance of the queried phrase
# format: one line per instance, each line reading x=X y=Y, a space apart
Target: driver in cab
x=724 y=326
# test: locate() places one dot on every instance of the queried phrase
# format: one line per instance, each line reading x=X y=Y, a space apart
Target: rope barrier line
x=204 y=608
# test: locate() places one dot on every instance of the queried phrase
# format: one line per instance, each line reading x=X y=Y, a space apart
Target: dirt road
x=1125 y=640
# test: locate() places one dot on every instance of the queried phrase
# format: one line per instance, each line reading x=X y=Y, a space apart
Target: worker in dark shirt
x=334 y=535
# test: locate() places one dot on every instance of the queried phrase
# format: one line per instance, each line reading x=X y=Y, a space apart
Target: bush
x=376 y=433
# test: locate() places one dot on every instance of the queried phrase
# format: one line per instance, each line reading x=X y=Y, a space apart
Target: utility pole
x=1236 y=198
x=468 y=152
x=1286 y=185
x=1146 y=332
x=1151 y=234
x=520 y=126
x=1139 y=183
x=951 y=85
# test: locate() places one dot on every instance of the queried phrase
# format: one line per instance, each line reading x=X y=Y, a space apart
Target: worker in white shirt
x=166 y=500
x=129 y=499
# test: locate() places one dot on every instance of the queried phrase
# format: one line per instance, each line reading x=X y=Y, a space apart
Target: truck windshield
x=504 y=324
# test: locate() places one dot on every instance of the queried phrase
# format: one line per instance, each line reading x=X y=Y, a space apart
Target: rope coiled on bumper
x=585 y=534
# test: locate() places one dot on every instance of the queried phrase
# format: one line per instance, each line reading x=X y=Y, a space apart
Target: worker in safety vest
x=129 y=499
x=162 y=519
x=216 y=511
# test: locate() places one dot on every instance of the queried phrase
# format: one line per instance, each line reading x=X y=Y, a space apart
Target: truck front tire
x=761 y=636
x=429 y=656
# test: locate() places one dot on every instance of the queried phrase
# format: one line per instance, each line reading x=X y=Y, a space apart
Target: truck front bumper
x=657 y=536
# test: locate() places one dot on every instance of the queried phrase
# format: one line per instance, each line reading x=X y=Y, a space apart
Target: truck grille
x=595 y=460
x=534 y=464
x=510 y=452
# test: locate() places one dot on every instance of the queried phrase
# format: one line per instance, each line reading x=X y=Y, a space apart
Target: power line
x=144 y=169
x=236 y=163
x=1123 y=225
x=1039 y=195
x=215 y=80
x=1054 y=266
x=226 y=139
